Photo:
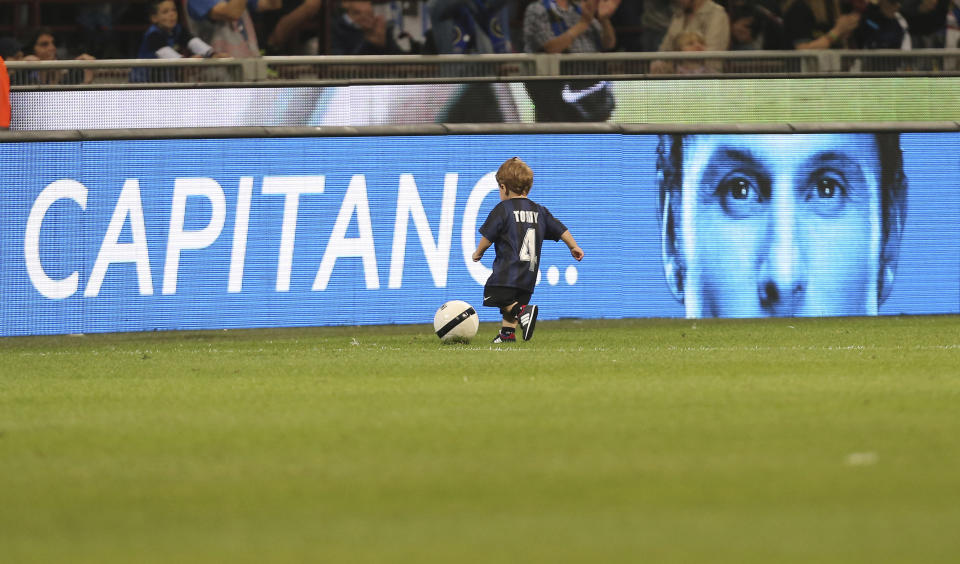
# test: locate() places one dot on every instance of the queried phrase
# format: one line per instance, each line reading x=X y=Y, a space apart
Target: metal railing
x=54 y=75
x=126 y=73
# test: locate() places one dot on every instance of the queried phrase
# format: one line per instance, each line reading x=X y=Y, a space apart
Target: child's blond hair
x=686 y=38
x=516 y=176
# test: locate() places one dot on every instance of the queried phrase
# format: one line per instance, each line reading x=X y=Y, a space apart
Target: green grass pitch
x=798 y=440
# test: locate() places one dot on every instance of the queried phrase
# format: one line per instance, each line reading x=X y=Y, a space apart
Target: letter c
x=64 y=189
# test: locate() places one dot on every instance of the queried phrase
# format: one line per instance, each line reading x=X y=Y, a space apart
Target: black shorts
x=502 y=296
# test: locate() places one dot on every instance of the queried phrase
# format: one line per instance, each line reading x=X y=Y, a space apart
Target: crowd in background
x=249 y=28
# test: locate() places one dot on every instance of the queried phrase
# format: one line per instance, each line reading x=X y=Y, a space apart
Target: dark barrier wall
x=227 y=233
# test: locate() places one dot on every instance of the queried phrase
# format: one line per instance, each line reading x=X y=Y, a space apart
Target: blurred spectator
x=42 y=46
x=286 y=26
x=927 y=20
x=10 y=49
x=820 y=24
x=567 y=26
x=226 y=24
x=754 y=27
x=706 y=17
x=654 y=22
x=882 y=27
x=470 y=26
x=952 y=37
x=361 y=31
x=166 y=39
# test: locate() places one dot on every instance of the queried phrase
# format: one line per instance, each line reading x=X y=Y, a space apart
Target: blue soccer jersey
x=517 y=228
x=156 y=38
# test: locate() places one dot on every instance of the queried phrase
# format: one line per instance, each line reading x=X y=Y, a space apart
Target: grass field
x=802 y=440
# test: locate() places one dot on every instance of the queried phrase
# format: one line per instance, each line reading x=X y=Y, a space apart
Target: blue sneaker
x=501 y=338
x=528 y=320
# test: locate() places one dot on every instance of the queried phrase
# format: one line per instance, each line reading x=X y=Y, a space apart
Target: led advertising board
x=137 y=235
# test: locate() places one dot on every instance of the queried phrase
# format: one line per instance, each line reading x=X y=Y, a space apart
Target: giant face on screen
x=781 y=225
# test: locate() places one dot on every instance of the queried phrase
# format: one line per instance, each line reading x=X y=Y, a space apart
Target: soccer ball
x=456 y=320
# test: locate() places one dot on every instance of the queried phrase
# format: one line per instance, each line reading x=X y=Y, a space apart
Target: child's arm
x=482 y=247
x=199 y=47
x=575 y=249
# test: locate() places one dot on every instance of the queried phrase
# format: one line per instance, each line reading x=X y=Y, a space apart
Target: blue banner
x=101 y=236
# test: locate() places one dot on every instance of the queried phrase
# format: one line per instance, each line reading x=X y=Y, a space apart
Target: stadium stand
x=412 y=68
x=111 y=32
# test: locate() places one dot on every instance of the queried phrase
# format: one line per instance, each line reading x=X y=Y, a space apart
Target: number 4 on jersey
x=528 y=249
